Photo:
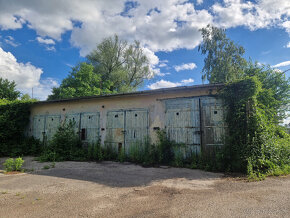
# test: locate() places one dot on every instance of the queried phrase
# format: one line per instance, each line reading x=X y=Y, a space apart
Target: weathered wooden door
x=115 y=129
x=213 y=124
x=136 y=128
x=182 y=122
x=38 y=127
x=52 y=123
x=90 y=126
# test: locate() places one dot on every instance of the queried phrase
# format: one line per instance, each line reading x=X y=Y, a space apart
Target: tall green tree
x=8 y=90
x=81 y=81
x=223 y=61
x=114 y=66
x=125 y=65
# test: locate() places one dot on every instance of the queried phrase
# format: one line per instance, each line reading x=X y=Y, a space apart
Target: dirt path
x=108 y=189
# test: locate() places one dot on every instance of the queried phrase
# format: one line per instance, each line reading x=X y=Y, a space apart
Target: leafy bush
x=13 y=164
x=256 y=144
x=9 y=165
x=14 y=118
x=65 y=145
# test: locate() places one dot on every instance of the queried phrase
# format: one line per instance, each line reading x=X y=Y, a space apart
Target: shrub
x=14 y=118
x=65 y=145
x=9 y=165
x=13 y=164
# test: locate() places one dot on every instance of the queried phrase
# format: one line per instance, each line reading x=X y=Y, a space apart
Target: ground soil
x=109 y=189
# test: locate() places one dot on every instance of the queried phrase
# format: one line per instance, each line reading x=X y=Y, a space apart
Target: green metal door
x=90 y=126
x=136 y=127
x=75 y=118
x=52 y=123
x=213 y=124
x=182 y=123
x=38 y=127
x=115 y=129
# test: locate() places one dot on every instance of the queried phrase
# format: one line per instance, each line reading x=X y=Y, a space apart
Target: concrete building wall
x=153 y=102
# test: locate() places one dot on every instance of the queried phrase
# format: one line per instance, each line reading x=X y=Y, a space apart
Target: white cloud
x=11 y=41
x=158 y=25
x=288 y=45
x=199 y=2
x=45 y=41
x=167 y=84
x=25 y=75
x=282 y=64
x=188 y=66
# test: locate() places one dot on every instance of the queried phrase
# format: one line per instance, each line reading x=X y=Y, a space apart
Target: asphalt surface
x=109 y=189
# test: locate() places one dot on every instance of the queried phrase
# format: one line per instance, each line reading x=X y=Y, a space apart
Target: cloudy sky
x=41 y=40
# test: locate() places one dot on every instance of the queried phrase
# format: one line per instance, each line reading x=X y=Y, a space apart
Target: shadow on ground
x=116 y=174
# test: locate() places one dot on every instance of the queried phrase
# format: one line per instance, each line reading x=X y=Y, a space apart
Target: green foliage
x=18 y=163
x=125 y=66
x=224 y=61
x=114 y=66
x=14 y=118
x=82 y=81
x=13 y=164
x=256 y=144
x=9 y=165
x=7 y=90
x=65 y=145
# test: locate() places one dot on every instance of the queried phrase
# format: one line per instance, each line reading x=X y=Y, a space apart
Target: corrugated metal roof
x=145 y=92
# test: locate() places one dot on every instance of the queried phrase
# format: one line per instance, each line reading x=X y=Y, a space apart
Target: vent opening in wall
x=119 y=147
x=89 y=117
x=215 y=112
x=51 y=119
x=116 y=115
x=73 y=119
x=177 y=113
x=135 y=115
x=63 y=109
x=83 y=134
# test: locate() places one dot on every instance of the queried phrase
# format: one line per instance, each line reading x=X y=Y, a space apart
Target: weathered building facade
x=191 y=115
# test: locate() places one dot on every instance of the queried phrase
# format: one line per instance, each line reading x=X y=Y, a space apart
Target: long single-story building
x=191 y=115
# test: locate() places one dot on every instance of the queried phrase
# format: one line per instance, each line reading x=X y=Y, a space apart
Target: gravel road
x=109 y=189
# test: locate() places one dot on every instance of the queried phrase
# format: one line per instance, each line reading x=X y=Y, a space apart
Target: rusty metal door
x=126 y=127
x=115 y=129
x=182 y=120
x=52 y=123
x=38 y=127
x=90 y=126
x=136 y=127
x=213 y=124
x=75 y=118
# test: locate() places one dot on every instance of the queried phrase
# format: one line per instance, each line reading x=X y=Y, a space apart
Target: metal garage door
x=126 y=127
x=52 y=123
x=75 y=118
x=213 y=124
x=90 y=126
x=38 y=127
x=182 y=122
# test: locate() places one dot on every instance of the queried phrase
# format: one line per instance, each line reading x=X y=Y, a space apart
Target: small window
x=215 y=112
x=135 y=115
x=83 y=134
x=116 y=115
x=89 y=117
x=39 y=120
x=177 y=113
x=134 y=135
x=73 y=119
x=63 y=109
x=51 y=119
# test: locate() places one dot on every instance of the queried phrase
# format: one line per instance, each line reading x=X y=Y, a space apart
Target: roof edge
x=144 y=92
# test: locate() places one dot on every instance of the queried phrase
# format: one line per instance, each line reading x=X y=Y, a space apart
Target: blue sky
x=41 y=40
